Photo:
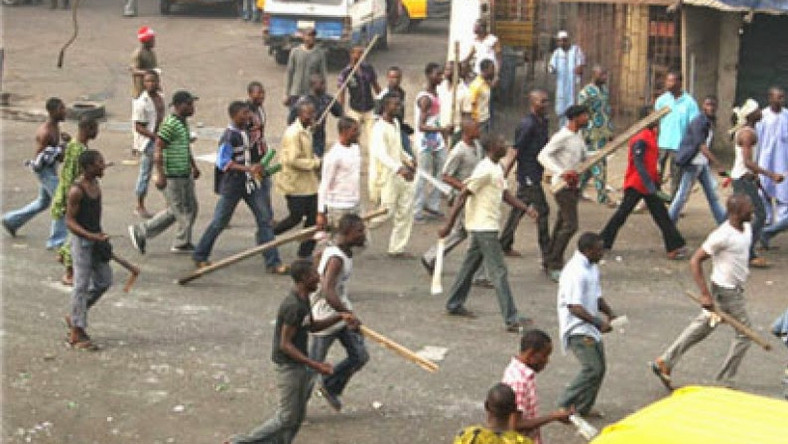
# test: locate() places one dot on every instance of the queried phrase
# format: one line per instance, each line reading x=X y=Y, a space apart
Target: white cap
x=562 y=35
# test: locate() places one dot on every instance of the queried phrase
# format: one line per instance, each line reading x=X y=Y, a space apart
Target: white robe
x=563 y=64
x=773 y=145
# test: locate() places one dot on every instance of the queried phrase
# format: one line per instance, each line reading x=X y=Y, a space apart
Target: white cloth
x=564 y=152
x=773 y=142
x=483 y=207
x=729 y=249
x=739 y=168
x=320 y=307
x=387 y=156
x=445 y=96
x=433 y=140
x=578 y=285
x=563 y=64
x=484 y=49
x=143 y=111
x=340 y=183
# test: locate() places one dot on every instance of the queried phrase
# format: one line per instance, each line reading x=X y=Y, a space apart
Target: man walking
x=453 y=103
x=693 y=159
x=391 y=176
x=640 y=182
x=90 y=248
x=566 y=63
x=773 y=143
x=304 y=61
x=561 y=156
x=147 y=115
x=340 y=182
x=321 y=100
x=580 y=304
x=256 y=93
x=728 y=246
x=596 y=98
x=176 y=172
x=459 y=166
x=429 y=144
x=361 y=87
x=298 y=181
x=143 y=59
x=294 y=369
x=529 y=139
x=49 y=150
x=501 y=409
x=241 y=173
x=480 y=94
x=673 y=126
x=88 y=130
x=481 y=197
x=336 y=269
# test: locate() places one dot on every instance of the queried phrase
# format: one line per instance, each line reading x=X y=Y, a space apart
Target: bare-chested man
x=49 y=150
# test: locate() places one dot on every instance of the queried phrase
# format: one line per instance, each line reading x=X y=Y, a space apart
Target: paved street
x=191 y=364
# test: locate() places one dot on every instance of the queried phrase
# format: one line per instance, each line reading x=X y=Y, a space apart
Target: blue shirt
x=673 y=126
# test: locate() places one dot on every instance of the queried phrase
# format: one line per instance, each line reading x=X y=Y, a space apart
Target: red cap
x=145 y=34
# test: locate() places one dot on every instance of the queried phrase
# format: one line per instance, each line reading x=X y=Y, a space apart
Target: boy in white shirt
x=339 y=192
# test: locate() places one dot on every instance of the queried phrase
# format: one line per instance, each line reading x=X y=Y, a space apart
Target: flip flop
x=664 y=378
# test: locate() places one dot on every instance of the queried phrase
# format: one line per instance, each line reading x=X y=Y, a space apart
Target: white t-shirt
x=564 y=152
x=445 y=95
x=340 y=182
x=143 y=110
x=729 y=249
x=578 y=285
x=483 y=208
x=484 y=49
x=320 y=308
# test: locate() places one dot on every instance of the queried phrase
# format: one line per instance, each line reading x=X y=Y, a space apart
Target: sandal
x=280 y=269
x=83 y=344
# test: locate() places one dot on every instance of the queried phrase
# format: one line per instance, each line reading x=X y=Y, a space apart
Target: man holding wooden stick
x=728 y=246
x=561 y=156
x=335 y=268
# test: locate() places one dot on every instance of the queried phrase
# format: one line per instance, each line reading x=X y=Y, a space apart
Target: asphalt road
x=190 y=364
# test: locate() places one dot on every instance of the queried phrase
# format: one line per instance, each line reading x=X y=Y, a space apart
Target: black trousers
x=300 y=208
x=530 y=195
x=670 y=235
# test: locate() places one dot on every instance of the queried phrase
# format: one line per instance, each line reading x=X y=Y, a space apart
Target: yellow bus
x=405 y=14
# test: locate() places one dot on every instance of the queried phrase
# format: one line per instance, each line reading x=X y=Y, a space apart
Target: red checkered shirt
x=522 y=380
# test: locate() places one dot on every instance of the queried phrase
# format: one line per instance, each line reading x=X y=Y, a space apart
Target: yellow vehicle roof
x=703 y=415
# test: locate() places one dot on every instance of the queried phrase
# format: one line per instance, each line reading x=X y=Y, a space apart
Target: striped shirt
x=174 y=131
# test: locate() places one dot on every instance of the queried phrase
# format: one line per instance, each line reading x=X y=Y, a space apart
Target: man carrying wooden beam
x=728 y=246
x=562 y=155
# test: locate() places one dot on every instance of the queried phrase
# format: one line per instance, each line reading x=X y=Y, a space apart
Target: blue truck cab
x=340 y=24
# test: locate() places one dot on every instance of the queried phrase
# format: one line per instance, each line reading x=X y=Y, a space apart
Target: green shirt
x=174 y=131
x=68 y=174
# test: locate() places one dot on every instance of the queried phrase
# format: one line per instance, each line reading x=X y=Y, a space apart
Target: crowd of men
x=451 y=140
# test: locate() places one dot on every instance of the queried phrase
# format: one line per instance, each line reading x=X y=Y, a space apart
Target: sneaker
x=137 y=239
x=759 y=262
x=461 y=312
x=662 y=371
x=9 y=229
x=188 y=248
x=430 y=267
x=678 y=254
x=332 y=400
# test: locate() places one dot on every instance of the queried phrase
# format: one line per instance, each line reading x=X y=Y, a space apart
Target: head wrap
x=742 y=112
x=145 y=34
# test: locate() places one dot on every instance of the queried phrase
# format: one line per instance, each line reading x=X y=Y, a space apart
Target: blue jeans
x=357 y=356
x=257 y=203
x=249 y=10
x=46 y=190
x=689 y=174
x=431 y=162
x=146 y=167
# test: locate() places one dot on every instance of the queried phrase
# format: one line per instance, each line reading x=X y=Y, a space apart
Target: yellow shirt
x=483 y=435
x=299 y=175
x=479 y=99
x=483 y=207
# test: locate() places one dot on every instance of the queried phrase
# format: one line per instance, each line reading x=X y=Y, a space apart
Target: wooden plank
x=614 y=145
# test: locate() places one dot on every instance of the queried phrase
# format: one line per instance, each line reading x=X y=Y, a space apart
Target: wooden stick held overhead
x=615 y=144
x=406 y=353
x=738 y=326
x=299 y=235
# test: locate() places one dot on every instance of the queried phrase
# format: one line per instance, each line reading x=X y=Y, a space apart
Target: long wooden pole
x=615 y=144
x=738 y=326
x=302 y=234
x=347 y=80
x=403 y=351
